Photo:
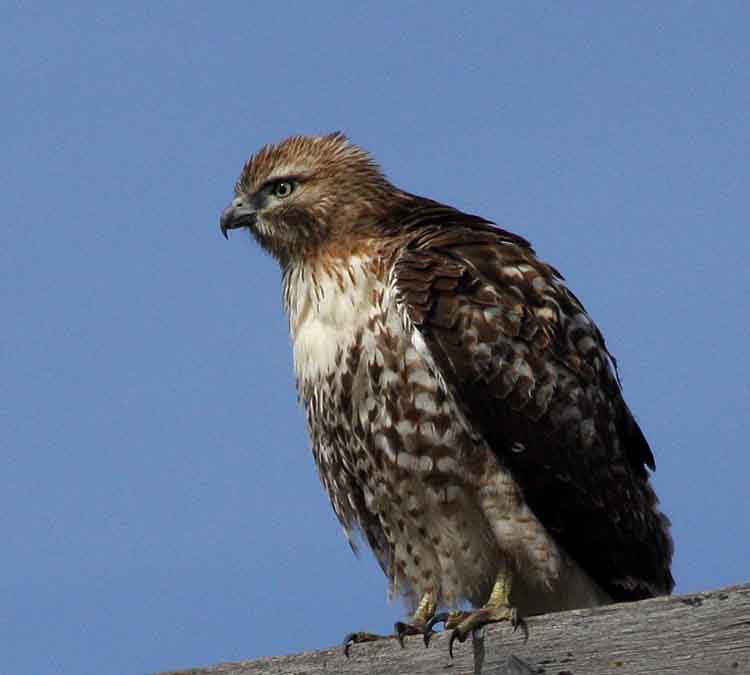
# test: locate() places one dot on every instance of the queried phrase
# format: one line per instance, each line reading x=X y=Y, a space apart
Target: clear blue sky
x=159 y=507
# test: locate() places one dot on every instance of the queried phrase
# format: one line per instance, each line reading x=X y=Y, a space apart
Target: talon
x=441 y=617
x=347 y=643
x=360 y=636
x=516 y=620
x=455 y=635
x=403 y=629
x=401 y=632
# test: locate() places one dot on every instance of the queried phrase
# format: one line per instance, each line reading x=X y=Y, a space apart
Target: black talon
x=455 y=635
x=516 y=620
x=400 y=628
x=359 y=637
x=441 y=617
x=347 y=643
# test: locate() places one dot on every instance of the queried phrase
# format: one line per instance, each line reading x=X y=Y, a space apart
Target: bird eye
x=283 y=189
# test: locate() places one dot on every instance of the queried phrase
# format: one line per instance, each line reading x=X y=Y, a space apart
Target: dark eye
x=283 y=189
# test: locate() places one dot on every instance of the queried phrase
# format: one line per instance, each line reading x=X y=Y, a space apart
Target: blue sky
x=159 y=507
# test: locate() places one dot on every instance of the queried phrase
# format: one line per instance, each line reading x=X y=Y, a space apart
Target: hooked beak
x=237 y=214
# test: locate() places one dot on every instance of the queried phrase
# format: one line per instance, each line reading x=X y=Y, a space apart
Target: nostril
x=238 y=202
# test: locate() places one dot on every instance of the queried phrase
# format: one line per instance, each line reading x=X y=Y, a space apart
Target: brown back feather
x=533 y=372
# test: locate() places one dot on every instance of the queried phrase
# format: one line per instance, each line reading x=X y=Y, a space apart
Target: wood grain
x=696 y=634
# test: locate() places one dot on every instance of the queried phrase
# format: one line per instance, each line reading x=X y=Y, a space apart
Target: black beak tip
x=224 y=221
x=234 y=217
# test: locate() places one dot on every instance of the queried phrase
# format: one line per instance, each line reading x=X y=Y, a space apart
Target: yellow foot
x=401 y=628
x=464 y=623
x=358 y=638
x=417 y=626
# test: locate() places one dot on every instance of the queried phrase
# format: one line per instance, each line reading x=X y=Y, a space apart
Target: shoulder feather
x=533 y=373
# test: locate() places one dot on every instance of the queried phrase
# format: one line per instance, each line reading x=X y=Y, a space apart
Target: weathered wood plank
x=696 y=634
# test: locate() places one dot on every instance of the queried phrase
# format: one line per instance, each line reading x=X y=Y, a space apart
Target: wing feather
x=534 y=375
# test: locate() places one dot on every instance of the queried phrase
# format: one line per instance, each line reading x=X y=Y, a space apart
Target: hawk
x=465 y=414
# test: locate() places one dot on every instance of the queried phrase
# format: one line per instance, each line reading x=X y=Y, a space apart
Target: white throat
x=326 y=308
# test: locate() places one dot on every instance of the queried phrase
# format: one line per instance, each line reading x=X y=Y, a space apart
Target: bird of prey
x=465 y=415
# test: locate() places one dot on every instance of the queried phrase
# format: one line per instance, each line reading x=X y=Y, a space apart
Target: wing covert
x=532 y=372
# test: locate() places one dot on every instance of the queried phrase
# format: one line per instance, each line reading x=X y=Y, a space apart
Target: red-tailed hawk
x=464 y=411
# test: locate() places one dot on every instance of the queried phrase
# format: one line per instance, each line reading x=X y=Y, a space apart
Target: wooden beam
x=695 y=634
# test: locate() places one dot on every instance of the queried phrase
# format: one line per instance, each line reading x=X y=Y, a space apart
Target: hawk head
x=305 y=193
